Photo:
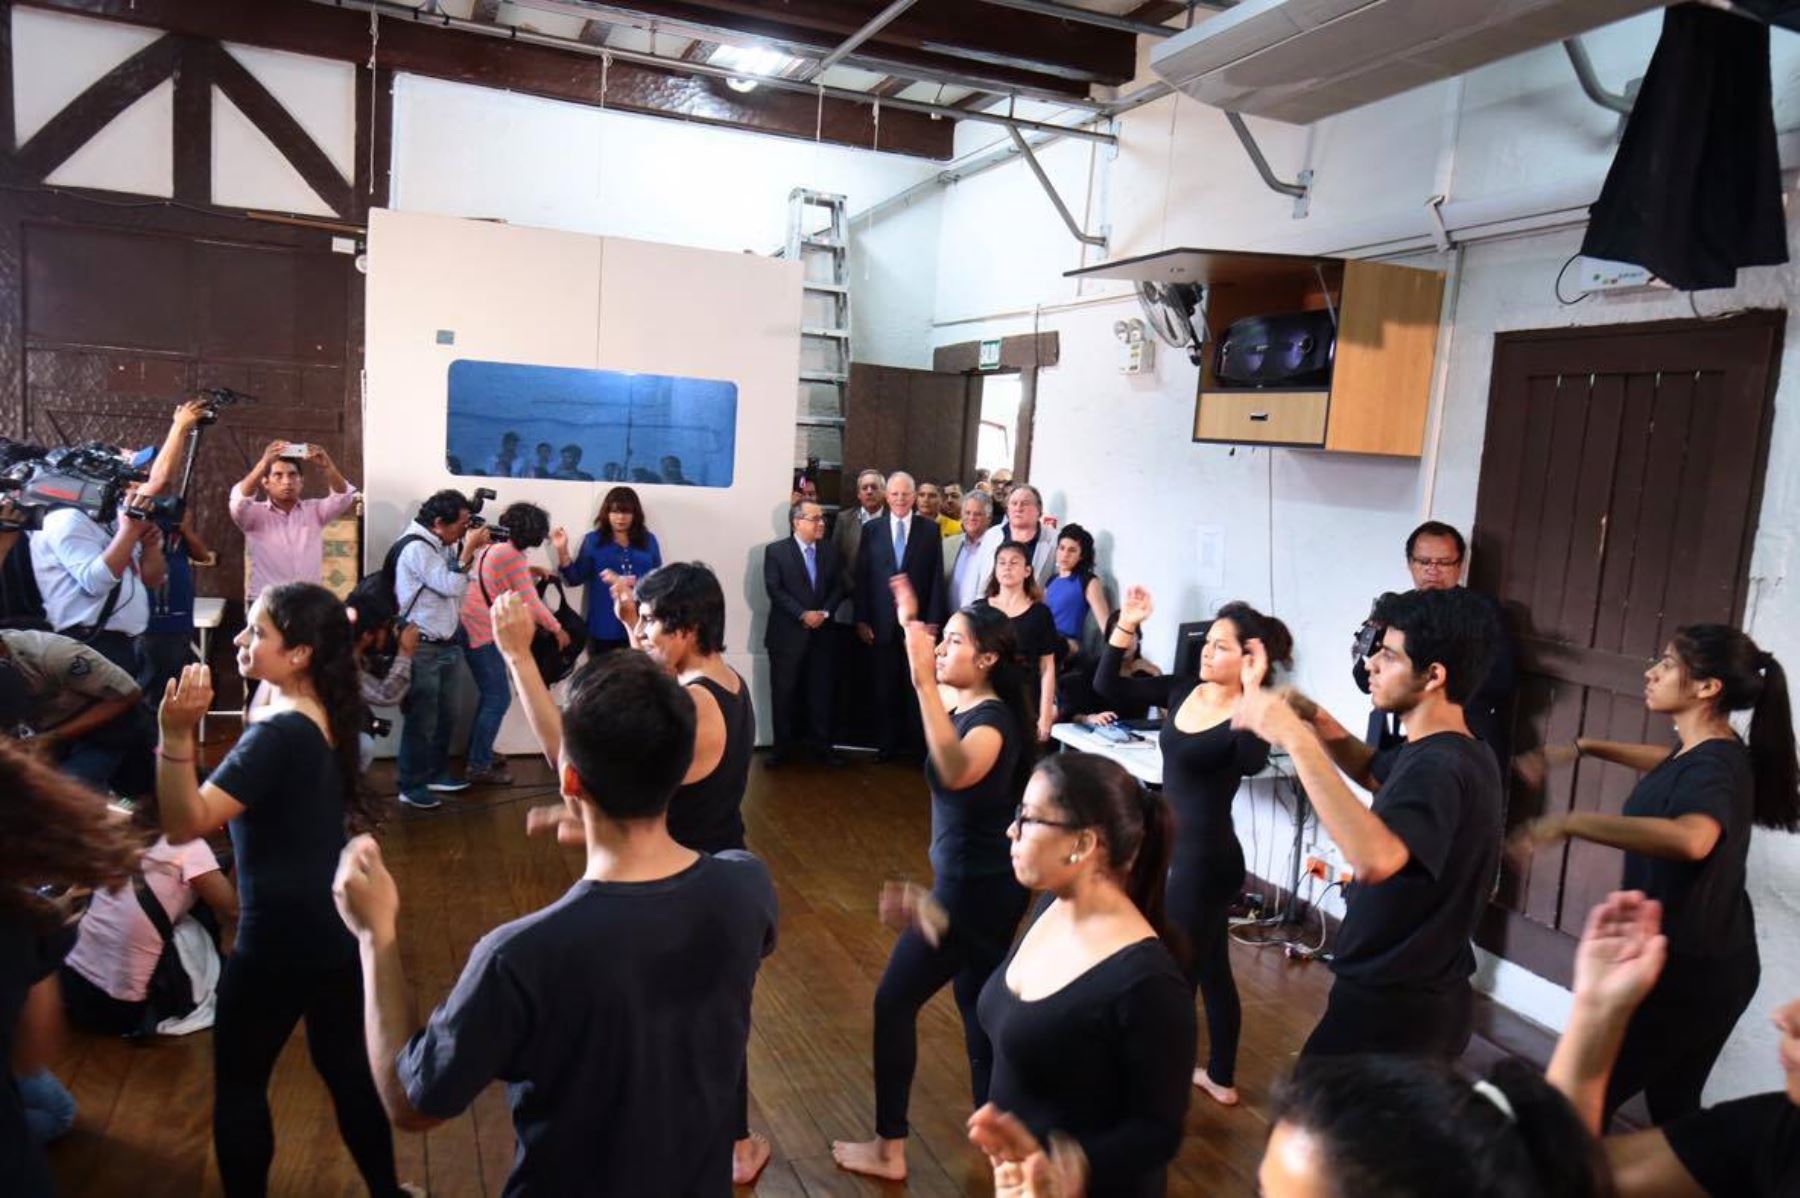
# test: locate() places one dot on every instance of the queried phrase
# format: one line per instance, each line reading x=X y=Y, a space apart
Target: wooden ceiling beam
x=424 y=49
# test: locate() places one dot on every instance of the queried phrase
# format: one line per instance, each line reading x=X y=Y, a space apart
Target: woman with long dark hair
x=1075 y=590
x=1685 y=832
x=289 y=792
x=1091 y=1020
x=1014 y=590
x=502 y=566
x=620 y=547
x=977 y=719
x=54 y=832
x=1204 y=760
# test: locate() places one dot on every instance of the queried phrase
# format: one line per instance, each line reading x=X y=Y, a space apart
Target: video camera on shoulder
x=497 y=533
x=91 y=478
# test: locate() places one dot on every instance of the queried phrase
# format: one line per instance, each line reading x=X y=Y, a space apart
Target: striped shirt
x=500 y=568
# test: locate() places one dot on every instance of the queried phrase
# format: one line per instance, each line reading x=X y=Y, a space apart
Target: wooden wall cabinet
x=1380 y=383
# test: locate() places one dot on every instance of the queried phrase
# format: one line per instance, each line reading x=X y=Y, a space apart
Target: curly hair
x=305 y=613
x=55 y=832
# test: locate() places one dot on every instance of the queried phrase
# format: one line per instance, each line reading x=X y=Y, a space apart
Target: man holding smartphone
x=284 y=535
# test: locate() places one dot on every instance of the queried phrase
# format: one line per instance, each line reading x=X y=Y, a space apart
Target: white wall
x=471 y=151
x=1513 y=146
x=512 y=294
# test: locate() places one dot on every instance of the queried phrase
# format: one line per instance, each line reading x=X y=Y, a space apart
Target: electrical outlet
x=1317 y=868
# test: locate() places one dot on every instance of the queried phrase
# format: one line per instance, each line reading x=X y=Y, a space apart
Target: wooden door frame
x=1022 y=355
x=1509 y=934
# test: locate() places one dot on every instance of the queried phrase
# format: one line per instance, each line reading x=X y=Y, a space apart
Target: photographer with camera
x=284 y=535
x=95 y=578
x=431 y=577
x=73 y=709
x=384 y=661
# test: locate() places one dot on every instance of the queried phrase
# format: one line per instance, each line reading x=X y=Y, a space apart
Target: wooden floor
x=830 y=837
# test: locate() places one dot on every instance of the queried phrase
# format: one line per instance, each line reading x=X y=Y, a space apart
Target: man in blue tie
x=805 y=581
x=899 y=541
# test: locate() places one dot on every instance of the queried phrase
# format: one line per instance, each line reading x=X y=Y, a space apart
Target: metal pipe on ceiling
x=400 y=12
x=1068 y=218
x=877 y=23
x=861 y=58
x=1590 y=80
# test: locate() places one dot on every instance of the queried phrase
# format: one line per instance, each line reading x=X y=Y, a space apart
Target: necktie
x=812 y=566
x=899 y=542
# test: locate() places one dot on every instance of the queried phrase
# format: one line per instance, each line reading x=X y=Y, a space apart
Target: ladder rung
x=820 y=422
x=822 y=243
x=822 y=331
x=824 y=376
x=828 y=288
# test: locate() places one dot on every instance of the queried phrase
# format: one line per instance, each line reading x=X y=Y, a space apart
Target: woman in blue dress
x=621 y=546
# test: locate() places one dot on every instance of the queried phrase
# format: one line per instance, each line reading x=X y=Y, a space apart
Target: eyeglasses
x=1437 y=563
x=811 y=519
x=1022 y=821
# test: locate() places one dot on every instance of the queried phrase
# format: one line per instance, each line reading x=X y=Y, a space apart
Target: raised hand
x=1023 y=1168
x=624 y=601
x=1255 y=667
x=513 y=625
x=906 y=600
x=1621 y=954
x=1136 y=606
x=1529 y=837
x=559 y=540
x=186 y=700
x=367 y=899
x=921 y=655
x=555 y=820
x=906 y=905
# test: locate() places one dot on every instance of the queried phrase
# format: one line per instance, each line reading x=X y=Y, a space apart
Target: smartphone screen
x=296 y=449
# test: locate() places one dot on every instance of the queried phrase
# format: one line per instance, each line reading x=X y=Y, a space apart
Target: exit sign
x=990 y=355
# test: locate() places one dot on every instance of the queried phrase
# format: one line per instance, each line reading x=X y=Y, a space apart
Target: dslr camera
x=497 y=533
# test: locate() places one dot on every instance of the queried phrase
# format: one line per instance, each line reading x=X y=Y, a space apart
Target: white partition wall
x=442 y=289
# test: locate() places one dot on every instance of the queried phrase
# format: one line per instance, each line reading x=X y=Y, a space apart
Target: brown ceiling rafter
x=424 y=48
x=892 y=85
x=594 y=33
x=98 y=106
x=275 y=122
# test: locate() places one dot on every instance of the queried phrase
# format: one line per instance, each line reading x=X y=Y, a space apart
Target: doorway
x=1621 y=478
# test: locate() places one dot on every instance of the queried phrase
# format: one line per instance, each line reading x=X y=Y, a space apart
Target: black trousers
x=93 y=1009
x=1199 y=905
x=898 y=730
x=984 y=914
x=1677 y=1034
x=1360 y=1018
x=802 y=691
x=259 y=1004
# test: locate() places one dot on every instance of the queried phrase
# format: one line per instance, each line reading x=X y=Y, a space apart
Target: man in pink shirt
x=285 y=534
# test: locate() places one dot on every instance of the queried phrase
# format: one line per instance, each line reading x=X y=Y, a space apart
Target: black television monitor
x=1188 y=641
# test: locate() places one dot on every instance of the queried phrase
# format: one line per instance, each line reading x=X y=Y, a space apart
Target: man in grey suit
x=963 y=552
x=871 y=498
x=1024 y=525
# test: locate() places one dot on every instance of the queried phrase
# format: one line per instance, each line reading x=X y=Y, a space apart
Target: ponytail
x=1148 y=880
x=1751 y=679
x=991 y=630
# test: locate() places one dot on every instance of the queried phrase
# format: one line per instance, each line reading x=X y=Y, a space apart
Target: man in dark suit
x=805 y=580
x=897 y=542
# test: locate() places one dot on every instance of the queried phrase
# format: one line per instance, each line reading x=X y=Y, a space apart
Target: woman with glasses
x=977 y=721
x=1204 y=760
x=1685 y=832
x=620 y=547
x=1091 y=1020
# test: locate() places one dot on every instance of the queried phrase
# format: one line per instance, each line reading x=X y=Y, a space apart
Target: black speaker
x=1290 y=350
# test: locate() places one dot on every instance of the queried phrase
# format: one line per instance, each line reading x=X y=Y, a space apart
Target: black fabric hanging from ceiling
x=1695 y=189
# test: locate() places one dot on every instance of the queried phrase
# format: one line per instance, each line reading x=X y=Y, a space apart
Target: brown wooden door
x=1620 y=483
x=924 y=422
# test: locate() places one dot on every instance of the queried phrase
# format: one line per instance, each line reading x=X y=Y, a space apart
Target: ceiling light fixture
x=752 y=60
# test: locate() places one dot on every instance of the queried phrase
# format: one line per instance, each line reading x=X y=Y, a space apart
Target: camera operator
x=284 y=535
x=74 y=709
x=379 y=643
x=95 y=577
x=431 y=577
x=1435 y=554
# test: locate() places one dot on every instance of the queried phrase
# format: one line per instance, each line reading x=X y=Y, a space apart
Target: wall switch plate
x=446 y=337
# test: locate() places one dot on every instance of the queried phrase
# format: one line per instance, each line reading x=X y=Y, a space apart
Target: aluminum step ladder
x=818 y=239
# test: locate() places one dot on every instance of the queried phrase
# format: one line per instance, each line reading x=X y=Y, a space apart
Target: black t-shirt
x=707 y=816
x=28 y=954
x=617 y=1016
x=1443 y=800
x=968 y=827
x=1749 y=1148
x=287 y=841
x=1706 y=911
x=1108 y=1059
x=1035 y=630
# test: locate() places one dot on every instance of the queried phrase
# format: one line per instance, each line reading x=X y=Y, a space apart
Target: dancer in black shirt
x=977 y=733
x=1685 y=831
x=1091 y=1020
x=1204 y=760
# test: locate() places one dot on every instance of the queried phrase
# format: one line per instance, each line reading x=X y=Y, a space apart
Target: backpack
x=554 y=663
x=378 y=588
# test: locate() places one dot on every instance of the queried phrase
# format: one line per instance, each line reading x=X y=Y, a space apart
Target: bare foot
x=748 y=1157
x=885 y=1159
x=1223 y=1095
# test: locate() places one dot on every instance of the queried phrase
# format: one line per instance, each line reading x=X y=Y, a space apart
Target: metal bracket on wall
x=1062 y=209
x=1300 y=190
x=1593 y=89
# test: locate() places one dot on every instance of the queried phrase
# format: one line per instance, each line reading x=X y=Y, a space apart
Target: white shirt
x=967 y=582
x=75 y=581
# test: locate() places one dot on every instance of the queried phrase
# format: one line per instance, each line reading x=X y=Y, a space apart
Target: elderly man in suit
x=871 y=501
x=899 y=542
x=805 y=580
x=964 y=553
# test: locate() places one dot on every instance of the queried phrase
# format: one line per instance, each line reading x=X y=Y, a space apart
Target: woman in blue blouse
x=1076 y=590
x=621 y=546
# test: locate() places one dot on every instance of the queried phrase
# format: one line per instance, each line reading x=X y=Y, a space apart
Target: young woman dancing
x=1204 y=760
x=1685 y=832
x=289 y=792
x=977 y=733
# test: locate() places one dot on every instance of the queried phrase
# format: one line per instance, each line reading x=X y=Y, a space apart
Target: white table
x=1143 y=758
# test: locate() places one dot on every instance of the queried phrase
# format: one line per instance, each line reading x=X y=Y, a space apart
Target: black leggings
x=1677 y=1034
x=984 y=914
x=1199 y=905
x=1399 y=1020
x=259 y=1004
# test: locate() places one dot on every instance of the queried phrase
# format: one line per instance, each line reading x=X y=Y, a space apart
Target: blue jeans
x=49 y=1107
x=430 y=710
x=495 y=694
